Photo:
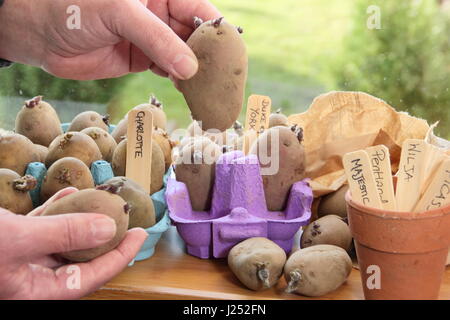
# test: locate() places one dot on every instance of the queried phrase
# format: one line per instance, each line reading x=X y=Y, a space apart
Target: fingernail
x=103 y=229
x=184 y=67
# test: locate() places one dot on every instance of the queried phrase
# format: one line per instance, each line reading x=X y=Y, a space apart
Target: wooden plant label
x=382 y=172
x=437 y=195
x=410 y=174
x=360 y=179
x=139 y=147
x=257 y=118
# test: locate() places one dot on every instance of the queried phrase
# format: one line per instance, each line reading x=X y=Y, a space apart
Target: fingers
x=39 y=236
x=94 y=274
x=60 y=194
x=157 y=40
x=185 y=10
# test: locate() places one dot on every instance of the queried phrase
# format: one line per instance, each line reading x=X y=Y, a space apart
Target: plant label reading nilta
x=360 y=179
x=382 y=172
x=437 y=194
x=139 y=147
x=257 y=118
x=410 y=174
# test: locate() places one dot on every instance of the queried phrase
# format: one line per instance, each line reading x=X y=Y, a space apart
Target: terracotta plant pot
x=401 y=255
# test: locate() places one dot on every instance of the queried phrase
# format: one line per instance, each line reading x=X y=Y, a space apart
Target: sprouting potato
x=215 y=93
x=257 y=262
x=38 y=121
x=63 y=173
x=89 y=119
x=142 y=211
x=73 y=144
x=330 y=229
x=291 y=162
x=334 y=203
x=195 y=166
x=317 y=270
x=14 y=191
x=278 y=119
x=93 y=201
x=105 y=142
x=16 y=152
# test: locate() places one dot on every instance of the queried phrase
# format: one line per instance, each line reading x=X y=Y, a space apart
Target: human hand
x=28 y=269
x=116 y=37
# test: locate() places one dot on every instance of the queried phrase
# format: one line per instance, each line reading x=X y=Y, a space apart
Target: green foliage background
x=297 y=49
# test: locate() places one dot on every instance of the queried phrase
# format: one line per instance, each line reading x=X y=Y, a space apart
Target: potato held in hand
x=257 y=262
x=317 y=270
x=215 y=93
x=142 y=211
x=38 y=121
x=14 y=189
x=93 y=201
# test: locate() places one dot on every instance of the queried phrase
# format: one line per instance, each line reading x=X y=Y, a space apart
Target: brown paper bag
x=341 y=122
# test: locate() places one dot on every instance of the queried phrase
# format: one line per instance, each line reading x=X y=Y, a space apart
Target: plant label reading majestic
x=360 y=179
x=139 y=147
x=382 y=172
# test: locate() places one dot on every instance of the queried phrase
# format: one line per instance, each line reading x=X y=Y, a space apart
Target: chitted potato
x=329 y=229
x=215 y=93
x=142 y=211
x=159 y=118
x=162 y=139
x=120 y=131
x=290 y=154
x=334 y=203
x=278 y=119
x=105 y=142
x=119 y=164
x=14 y=189
x=41 y=151
x=38 y=121
x=195 y=166
x=317 y=270
x=16 y=152
x=93 y=201
x=63 y=173
x=257 y=262
x=73 y=144
x=89 y=119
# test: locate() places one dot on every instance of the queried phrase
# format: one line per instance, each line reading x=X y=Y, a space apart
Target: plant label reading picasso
x=382 y=172
x=139 y=147
x=410 y=174
x=437 y=194
x=361 y=180
x=256 y=120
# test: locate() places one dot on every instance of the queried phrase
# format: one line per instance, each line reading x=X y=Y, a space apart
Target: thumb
x=40 y=236
x=134 y=22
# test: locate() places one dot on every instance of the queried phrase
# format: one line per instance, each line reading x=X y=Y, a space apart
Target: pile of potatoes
x=38 y=137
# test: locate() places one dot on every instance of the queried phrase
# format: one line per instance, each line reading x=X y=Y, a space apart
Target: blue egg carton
x=101 y=172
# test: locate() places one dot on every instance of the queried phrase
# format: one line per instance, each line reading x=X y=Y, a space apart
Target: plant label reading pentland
x=410 y=174
x=381 y=169
x=257 y=118
x=139 y=147
x=360 y=179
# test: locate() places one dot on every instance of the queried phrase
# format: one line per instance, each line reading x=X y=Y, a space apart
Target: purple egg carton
x=238 y=210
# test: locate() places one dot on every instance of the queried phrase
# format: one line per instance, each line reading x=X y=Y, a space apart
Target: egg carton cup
x=101 y=172
x=238 y=209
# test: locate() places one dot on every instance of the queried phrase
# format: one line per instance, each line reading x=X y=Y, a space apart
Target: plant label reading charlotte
x=139 y=147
